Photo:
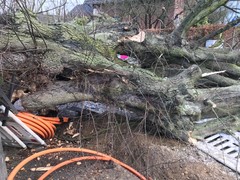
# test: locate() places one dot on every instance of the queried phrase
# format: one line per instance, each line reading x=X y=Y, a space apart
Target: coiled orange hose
x=43 y=126
x=27 y=160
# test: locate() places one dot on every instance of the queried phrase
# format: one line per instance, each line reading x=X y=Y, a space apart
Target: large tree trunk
x=92 y=72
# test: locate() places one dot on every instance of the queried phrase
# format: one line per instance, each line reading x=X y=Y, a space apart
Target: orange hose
x=65 y=119
x=25 y=114
x=36 y=130
x=53 y=119
x=72 y=161
x=50 y=128
x=37 y=124
x=43 y=126
x=27 y=160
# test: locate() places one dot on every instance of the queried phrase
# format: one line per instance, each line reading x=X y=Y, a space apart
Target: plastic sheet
x=75 y=108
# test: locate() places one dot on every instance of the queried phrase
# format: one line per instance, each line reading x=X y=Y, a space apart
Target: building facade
x=156 y=14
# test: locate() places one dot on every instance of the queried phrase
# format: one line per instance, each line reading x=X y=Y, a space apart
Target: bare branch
x=236 y=10
x=203 y=9
x=41 y=5
x=56 y=7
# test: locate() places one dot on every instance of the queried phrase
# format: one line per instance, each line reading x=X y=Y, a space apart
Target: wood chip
x=70 y=126
x=7 y=159
x=212 y=73
x=41 y=168
x=75 y=135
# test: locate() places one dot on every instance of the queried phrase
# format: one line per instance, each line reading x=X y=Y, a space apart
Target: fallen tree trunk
x=155 y=48
x=93 y=73
x=174 y=103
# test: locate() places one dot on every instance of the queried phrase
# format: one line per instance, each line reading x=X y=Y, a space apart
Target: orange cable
x=37 y=124
x=43 y=126
x=57 y=119
x=65 y=119
x=49 y=126
x=52 y=120
x=27 y=160
x=25 y=114
x=64 y=163
x=36 y=130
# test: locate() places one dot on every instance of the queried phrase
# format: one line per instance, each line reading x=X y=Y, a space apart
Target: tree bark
x=203 y=9
x=172 y=104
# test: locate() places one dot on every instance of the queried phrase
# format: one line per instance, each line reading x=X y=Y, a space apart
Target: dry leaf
x=140 y=37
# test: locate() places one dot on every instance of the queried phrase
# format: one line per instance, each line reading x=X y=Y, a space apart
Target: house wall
x=144 y=15
x=178 y=6
x=176 y=13
x=147 y=15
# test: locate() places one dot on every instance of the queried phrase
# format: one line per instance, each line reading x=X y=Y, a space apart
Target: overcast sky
x=72 y=3
x=231 y=15
x=69 y=5
x=48 y=4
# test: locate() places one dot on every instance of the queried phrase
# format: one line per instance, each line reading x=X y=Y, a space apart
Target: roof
x=86 y=9
x=81 y=10
x=100 y=1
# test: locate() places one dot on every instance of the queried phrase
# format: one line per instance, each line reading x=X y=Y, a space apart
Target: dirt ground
x=153 y=156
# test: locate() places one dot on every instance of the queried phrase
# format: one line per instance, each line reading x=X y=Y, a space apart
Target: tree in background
x=146 y=14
